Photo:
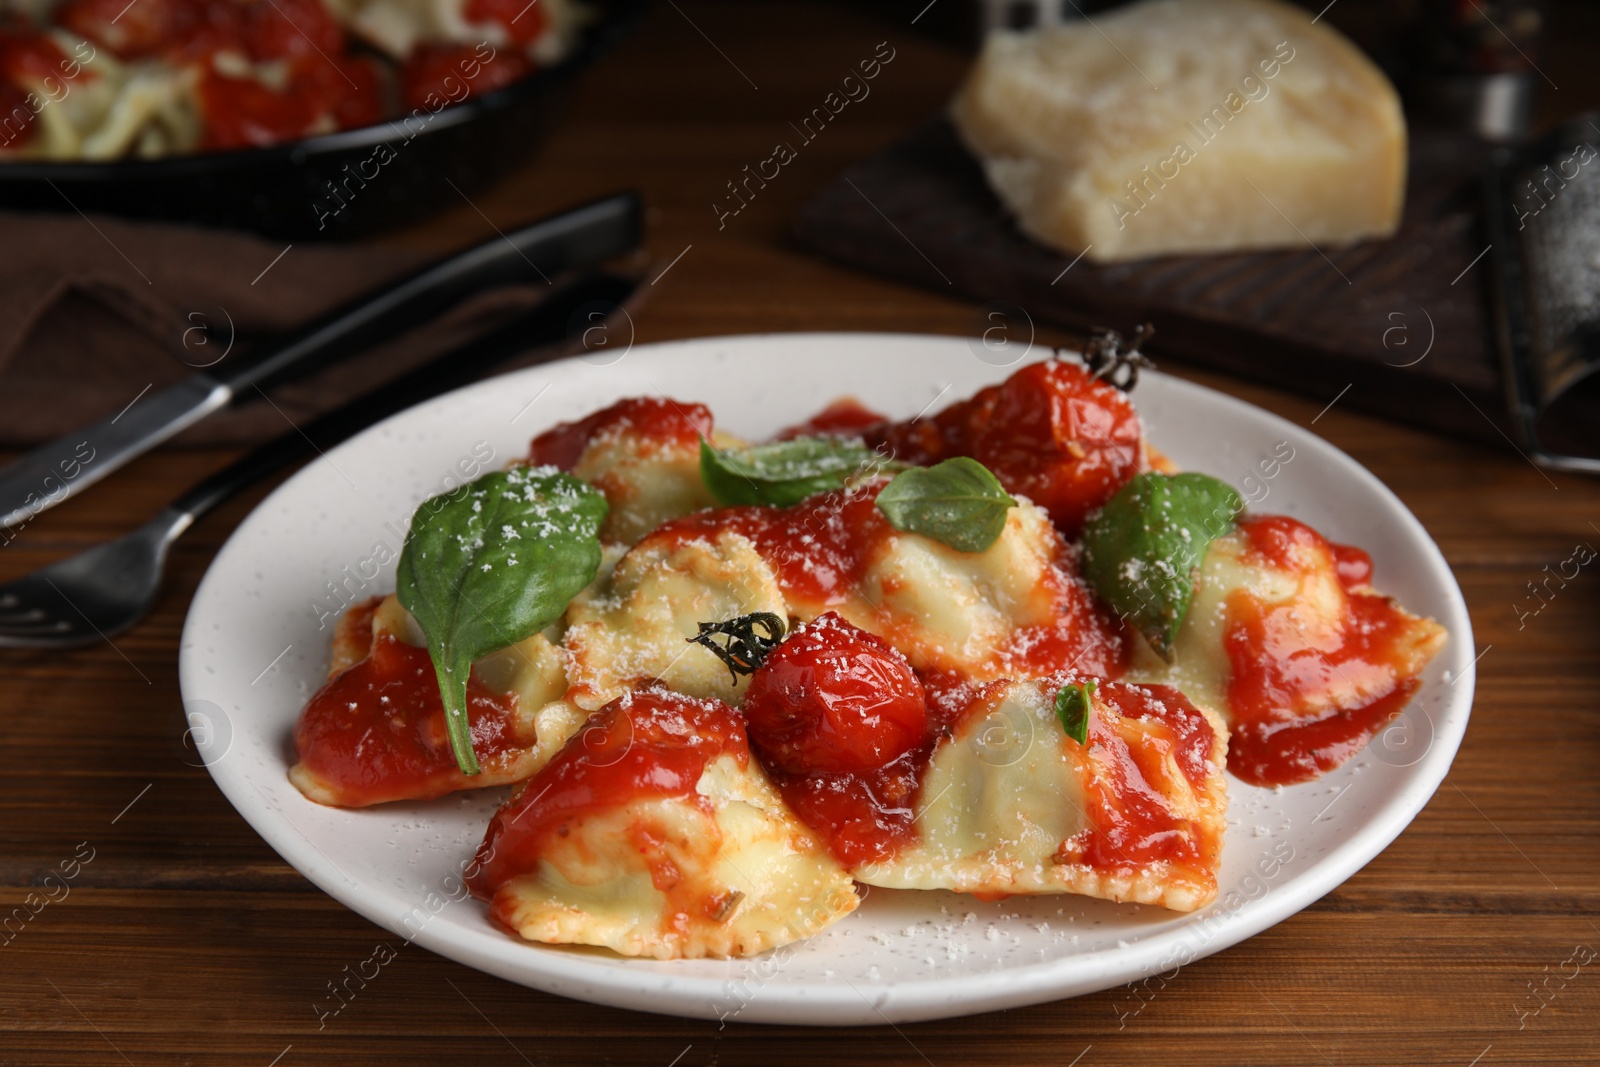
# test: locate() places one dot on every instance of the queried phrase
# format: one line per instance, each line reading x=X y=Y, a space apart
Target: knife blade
x=49 y=474
x=59 y=469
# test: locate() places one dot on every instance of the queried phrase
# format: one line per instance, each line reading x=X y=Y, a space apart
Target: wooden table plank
x=186 y=940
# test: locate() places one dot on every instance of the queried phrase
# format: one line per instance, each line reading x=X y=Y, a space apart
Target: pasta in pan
x=103 y=79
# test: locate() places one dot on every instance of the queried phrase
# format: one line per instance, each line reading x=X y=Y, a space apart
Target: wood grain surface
x=186 y=940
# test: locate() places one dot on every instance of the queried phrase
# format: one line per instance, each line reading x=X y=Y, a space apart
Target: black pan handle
x=552 y=320
x=531 y=254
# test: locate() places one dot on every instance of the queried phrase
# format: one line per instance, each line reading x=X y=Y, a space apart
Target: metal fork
x=112 y=586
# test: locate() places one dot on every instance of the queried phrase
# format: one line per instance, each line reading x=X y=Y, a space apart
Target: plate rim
x=829 y=1003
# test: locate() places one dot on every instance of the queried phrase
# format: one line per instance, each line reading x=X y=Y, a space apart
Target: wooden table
x=187 y=940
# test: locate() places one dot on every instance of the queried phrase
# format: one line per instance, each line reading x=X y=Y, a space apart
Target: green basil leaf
x=1073 y=704
x=490 y=564
x=784 y=472
x=1142 y=550
x=956 y=502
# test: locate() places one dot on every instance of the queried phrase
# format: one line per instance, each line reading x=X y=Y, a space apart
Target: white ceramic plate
x=253 y=651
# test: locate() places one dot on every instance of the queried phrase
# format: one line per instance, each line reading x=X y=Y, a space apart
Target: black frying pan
x=336 y=186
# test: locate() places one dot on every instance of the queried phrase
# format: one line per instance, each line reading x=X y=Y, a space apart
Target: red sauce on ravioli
x=846 y=417
x=821 y=549
x=664 y=422
x=376 y=732
x=842 y=726
x=1281 y=733
x=1133 y=825
x=649 y=744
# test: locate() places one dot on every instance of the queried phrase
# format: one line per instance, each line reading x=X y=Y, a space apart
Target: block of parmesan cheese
x=1186 y=126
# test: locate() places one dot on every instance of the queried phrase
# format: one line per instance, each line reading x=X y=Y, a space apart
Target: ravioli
x=1015 y=610
x=1010 y=609
x=637 y=625
x=1009 y=804
x=1287 y=638
x=674 y=803
x=643 y=454
x=375 y=732
x=653 y=833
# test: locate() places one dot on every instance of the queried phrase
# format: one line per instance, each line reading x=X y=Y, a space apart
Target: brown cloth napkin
x=95 y=311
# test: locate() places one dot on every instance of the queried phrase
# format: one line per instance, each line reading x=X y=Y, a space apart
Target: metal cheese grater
x=1543 y=217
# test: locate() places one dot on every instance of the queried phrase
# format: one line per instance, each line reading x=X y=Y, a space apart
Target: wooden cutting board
x=1400 y=327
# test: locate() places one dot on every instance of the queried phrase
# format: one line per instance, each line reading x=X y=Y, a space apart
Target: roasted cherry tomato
x=1052 y=432
x=833 y=698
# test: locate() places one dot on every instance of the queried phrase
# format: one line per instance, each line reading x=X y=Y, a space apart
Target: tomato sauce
x=842 y=727
x=1353 y=566
x=376 y=731
x=867 y=814
x=1282 y=731
x=864 y=816
x=1051 y=432
x=28 y=56
x=186 y=30
x=243 y=112
x=649 y=744
x=822 y=548
x=27 y=59
x=1134 y=826
x=16 y=117
x=846 y=417
x=666 y=422
x=324 y=87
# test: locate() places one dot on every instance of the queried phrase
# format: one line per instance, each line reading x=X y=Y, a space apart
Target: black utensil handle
x=551 y=321
x=531 y=254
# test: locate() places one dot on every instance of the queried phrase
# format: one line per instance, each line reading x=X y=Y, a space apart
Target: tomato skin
x=834 y=699
x=1051 y=432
